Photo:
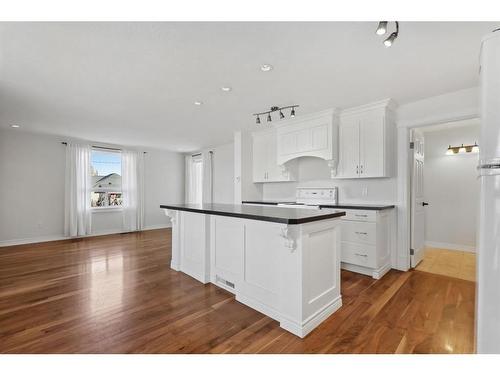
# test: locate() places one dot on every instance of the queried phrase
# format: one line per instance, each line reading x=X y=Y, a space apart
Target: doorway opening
x=444 y=196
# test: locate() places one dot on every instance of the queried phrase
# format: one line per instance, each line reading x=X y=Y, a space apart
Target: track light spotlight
x=258 y=120
x=382 y=28
x=282 y=115
x=388 y=42
x=292 y=113
x=269 y=119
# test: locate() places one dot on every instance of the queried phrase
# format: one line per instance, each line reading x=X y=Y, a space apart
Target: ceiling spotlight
x=258 y=120
x=292 y=113
x=198 y=102
x=282 y=115
x=269 y=119
x=226 y=88
x=388 y=42
x=462 y=149
x=266 y=67
x=382 y=28
x=15 y=126
x=475 y=148
x=449 y=151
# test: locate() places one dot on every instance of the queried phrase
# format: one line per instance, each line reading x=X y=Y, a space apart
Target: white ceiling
x=135 y=83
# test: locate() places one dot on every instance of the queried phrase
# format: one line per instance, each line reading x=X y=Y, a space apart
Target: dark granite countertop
x=345 y=206
x=273 y=214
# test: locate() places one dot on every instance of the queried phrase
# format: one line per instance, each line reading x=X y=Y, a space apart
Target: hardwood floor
x=117 y=294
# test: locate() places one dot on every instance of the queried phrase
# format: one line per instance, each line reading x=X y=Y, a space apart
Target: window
x=106 y=170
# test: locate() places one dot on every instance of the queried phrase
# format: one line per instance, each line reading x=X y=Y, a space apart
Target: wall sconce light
x=463 y=149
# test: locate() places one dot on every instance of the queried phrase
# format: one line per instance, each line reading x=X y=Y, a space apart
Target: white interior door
x=417 y=242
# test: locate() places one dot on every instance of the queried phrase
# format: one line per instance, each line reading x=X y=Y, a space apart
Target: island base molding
x=290 y=273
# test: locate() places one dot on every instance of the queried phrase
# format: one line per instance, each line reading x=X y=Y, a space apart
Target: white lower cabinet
x=367 y=241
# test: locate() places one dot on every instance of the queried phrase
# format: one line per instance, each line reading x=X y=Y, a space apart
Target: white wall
x=224 y=174
x=32 y=188
x=451 y=188
x=314 y=172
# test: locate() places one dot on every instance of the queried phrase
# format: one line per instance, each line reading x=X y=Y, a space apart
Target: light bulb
x=388 y=42
x=462 y=149
x=382 y=28
x=292 y=114
x=258 y=120
x=449 y=151
x=475 y=148
x=269 y=119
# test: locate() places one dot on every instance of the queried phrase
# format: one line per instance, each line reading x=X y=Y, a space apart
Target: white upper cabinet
x=309 y=135
x=367 y=141
x=265 y=165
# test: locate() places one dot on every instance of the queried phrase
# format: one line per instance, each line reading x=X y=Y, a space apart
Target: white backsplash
x=314 y=172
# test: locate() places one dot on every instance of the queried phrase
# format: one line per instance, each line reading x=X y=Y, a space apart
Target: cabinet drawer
x=360 y=215
x=361 y=255
x=359 y=232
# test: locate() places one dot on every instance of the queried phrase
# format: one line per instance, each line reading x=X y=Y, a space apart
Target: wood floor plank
x=117 y=294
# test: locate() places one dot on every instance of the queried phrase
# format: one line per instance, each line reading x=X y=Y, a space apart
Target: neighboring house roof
x=113 y=180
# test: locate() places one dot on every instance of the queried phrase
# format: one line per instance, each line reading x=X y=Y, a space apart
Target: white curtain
x=194 y=179
x=77 y=214
x=133 y=190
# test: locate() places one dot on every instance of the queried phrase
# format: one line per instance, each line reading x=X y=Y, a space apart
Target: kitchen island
x=283 y=262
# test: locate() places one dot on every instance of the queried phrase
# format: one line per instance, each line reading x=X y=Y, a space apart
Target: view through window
x=106 y=170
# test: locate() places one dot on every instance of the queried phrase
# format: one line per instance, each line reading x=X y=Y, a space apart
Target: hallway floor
x=452 y=263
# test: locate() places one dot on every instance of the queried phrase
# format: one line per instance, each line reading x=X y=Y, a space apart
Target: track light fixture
x=275 y=109
x=382 y=29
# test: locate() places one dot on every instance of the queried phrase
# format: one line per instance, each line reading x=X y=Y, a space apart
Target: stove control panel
x=317 y=195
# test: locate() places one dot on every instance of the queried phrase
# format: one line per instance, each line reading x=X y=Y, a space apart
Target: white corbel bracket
x=332 y=164
x=172 y=214
x=284 y=170
x=289 y=234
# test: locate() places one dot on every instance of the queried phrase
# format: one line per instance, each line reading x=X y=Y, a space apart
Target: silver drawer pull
x=358 y=215
x=361 y=255
x=364 y=233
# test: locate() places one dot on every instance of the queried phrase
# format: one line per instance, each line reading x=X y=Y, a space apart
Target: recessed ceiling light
x=266 y=67
x=198 y=102
x=226 y=88
x=15 y=126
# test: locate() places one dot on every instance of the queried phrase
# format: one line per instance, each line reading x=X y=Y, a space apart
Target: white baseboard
x=450 y=246
x=25 y=241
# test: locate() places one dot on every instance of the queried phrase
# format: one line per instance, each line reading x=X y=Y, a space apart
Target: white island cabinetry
x=290 y=272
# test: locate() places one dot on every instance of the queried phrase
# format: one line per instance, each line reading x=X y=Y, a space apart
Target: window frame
x=105 y=190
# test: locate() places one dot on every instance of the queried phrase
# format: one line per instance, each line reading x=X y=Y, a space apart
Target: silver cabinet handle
x=361 y=255
x=361 y=233
x=361 y=169
x=358 y=215
x=357 y=169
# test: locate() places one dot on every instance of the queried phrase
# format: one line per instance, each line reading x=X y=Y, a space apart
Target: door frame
x=402 y=261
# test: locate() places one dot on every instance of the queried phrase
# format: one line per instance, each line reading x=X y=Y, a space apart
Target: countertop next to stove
x=345 y=206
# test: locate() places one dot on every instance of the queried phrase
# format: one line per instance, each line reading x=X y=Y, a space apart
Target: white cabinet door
x=274 y=171
x=260 y=147
x=349 y=148
x=371 y=145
